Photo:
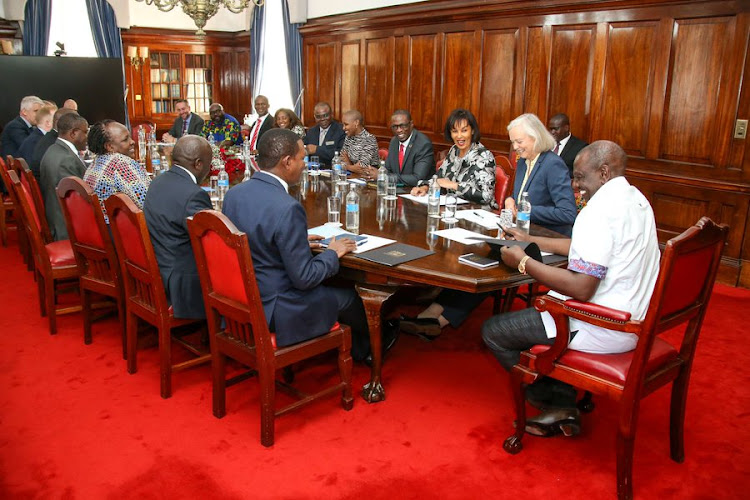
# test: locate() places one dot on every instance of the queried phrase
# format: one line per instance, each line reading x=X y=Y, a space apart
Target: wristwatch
x=522 y=264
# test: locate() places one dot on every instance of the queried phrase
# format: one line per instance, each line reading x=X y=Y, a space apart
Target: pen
x=478 y=215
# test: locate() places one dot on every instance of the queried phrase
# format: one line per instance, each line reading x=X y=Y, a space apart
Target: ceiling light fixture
x=201 y=11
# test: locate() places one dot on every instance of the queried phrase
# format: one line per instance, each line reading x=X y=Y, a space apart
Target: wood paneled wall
x=231 y=70
x=664 y=79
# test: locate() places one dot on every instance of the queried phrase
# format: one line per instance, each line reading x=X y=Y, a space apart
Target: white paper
x=372 y=243
x=462 y=235
x=327 y=230
x=423 y=199
x=481 y=217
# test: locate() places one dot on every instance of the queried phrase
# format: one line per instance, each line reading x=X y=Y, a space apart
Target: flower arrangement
x=232 y=163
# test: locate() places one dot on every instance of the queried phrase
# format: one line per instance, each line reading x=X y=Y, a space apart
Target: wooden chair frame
x=244 y=334
x=145 y=297
x=23 y=239
x=94 y=251
x=681 y=294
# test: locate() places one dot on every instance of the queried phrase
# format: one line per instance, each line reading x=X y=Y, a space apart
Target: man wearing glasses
x=326 y=137
x=410 y=154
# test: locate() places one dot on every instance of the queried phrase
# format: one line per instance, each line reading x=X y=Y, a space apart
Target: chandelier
x=201 y=11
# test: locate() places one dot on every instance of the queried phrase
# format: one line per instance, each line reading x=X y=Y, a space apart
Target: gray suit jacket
x=59 y=161
x=194 y=127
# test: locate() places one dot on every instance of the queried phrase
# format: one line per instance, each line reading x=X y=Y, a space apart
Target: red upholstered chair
x=23 y=239
x=513 y=157
x=383 y=153
x=55 y=264
x=683 y=288
x=93 y=249
x=230 y=292
x=145 y=298
x=8 y=208
x=502 y=182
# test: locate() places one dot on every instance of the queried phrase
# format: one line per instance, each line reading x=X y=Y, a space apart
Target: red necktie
x=255 y=134
x=401 y=157
x=557 y=148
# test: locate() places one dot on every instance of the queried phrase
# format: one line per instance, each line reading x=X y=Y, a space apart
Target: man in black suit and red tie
x=567 y=145
x=410 y=154
x=262 y=124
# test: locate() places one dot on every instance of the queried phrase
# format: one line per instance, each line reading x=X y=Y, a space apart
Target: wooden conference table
x=405 y=221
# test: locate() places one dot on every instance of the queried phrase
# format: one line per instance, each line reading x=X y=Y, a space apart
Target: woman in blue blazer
x=553 y=204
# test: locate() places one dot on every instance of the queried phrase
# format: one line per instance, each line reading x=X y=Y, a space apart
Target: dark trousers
x=352 y=313
x=458 y=305
x=507 y=335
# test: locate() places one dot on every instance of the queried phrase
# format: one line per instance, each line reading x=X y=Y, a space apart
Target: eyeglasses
x=322 y=116
x=400 y=126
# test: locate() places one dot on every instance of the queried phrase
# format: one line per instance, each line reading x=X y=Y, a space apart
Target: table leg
x=373 y=297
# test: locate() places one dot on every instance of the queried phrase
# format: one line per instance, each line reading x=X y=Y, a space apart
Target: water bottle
x=523 y=218
x=142 y=145
x=223 y=183
x=336 y=167
x=211 y=139
x=155 y=160
x=352 y=211
x=433 y=198
x=382 y=179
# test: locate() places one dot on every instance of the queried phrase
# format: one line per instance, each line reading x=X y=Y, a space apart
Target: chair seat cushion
x=612 y=367
x=60 y=253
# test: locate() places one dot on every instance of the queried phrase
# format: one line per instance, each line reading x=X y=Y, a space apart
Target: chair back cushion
x=223 y=267
x=131 y=239
x=82 y=220
x=501 y=185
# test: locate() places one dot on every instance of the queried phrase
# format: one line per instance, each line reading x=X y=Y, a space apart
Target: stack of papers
x=482 y=217
x=462 y=235
x=329 y=230
x=423 y=199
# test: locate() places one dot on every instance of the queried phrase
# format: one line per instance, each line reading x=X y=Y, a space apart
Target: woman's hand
x=510 y=204
x=419 y=190
x=446 y=184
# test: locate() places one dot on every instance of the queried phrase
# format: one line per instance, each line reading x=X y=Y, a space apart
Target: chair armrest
x=594 y=314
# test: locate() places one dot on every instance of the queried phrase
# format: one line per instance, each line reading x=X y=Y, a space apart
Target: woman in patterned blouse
x=114 y=170
x=469 y=167
x=288 y=119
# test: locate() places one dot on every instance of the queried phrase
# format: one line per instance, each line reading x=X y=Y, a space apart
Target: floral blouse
x=299 y=130
x=474 y=173
x=116 y=173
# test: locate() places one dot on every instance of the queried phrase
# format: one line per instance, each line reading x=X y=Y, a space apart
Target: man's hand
x=311 y=149
x=314 y=239
x=419 y=190
x=342 y=246
x=167 y=138
x=513 y=233
x=512 y=256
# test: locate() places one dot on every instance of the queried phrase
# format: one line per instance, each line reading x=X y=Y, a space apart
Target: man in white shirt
x=613 y=261
x=262 y=124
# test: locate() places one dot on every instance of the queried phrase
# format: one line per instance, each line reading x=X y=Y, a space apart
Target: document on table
x=423 y=199
x=482 y=217
x=462 y=235
x=329 y=230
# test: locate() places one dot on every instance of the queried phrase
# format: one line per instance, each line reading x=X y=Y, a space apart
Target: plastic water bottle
x=523 y=218
x=155 y=160
x=352 y=211
x=382 y=179
x=336 y=167
x=223 y=183
x=433 y=198
x=211 y=139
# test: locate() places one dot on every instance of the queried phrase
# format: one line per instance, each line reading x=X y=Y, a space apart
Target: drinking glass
x=449 y=214
x=214 y=192
x=314 y=165
x=334 y=210
x=391 y=187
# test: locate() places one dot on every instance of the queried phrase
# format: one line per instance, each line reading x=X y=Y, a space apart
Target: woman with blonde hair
x=543 y=174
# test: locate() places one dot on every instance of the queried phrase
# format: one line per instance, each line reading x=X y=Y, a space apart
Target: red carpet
x=74 y=424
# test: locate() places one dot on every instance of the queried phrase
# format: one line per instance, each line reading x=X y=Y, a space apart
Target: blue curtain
x=104 y=29
x=106 y=35
x=256 y=47
x=293 y=57
x=37 y=16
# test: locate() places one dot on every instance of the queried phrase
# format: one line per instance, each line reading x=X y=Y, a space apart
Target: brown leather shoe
x=427 y=329
x=550 y=423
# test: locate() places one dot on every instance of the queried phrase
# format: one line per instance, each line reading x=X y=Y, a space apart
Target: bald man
x=70 y=104
x=171 y=199
x=613 y=261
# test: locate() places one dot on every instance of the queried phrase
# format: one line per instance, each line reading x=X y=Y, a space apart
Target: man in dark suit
x=262 y=124
x=186 y=122
x=290 y=278
x=326 y=137
x=62 y=160
x=171 y=199
x=45 y=142
x=567 y=145
x=19 y=128
x=43 y=126
x=410 y=154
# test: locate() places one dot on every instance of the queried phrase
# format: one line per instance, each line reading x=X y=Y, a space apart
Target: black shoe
x=427 y=329
x=550 y=423
x=389 y=330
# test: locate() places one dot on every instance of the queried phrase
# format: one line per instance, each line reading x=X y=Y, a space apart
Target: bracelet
x=522 y=264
